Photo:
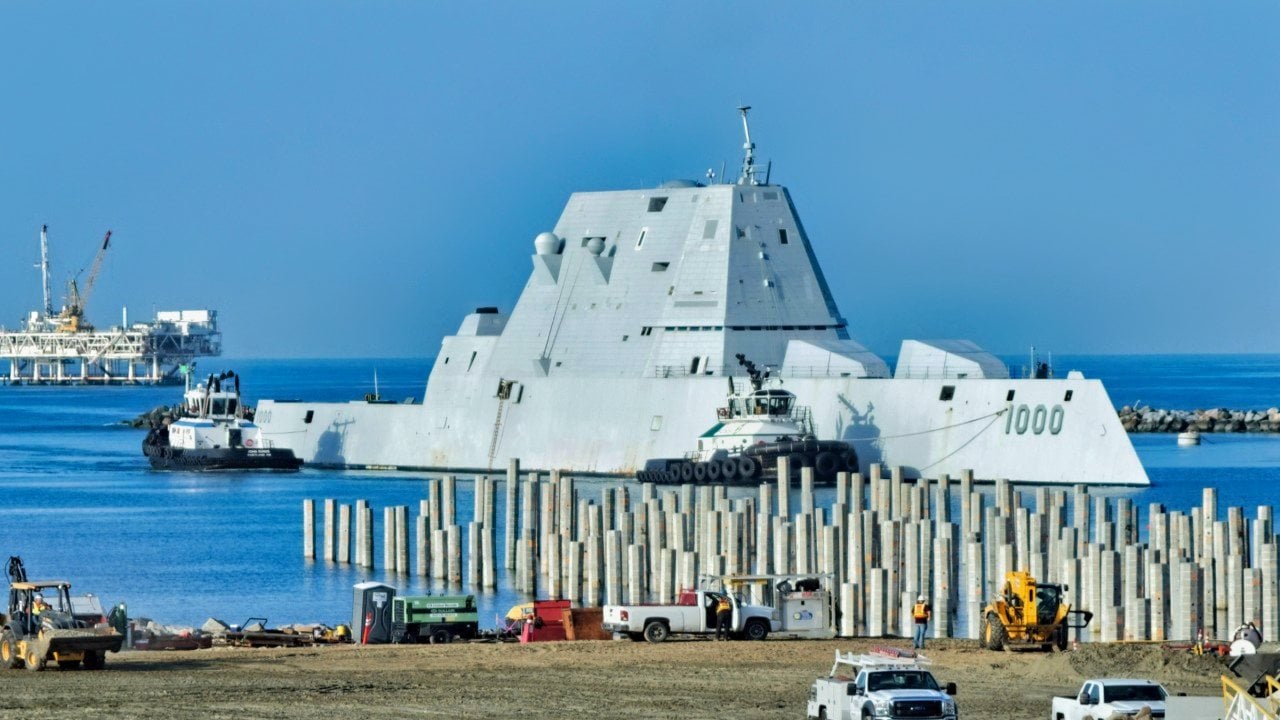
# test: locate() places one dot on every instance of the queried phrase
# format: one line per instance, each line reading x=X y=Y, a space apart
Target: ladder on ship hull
x=497 y=430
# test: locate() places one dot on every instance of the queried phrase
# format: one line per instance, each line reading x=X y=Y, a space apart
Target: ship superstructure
x=62 y=348
x=618 y=347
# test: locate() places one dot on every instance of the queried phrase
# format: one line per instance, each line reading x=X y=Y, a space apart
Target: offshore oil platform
x=63 y=348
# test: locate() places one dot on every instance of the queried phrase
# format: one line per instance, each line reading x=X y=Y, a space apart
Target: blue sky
x=343 y=179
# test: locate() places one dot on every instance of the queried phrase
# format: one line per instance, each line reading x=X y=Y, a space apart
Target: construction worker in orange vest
x=920 y=613
x=724 y=617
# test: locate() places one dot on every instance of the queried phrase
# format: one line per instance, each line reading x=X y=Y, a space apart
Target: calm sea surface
x=78 y=501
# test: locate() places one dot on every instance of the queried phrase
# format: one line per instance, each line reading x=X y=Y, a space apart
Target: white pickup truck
x=792 y=606
x=1111 y=697
x=694 y=613
x=877 y=686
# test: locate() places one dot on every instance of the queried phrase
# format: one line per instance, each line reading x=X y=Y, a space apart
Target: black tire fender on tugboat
x=826 y=463
x=729 y=469
x=686 y=472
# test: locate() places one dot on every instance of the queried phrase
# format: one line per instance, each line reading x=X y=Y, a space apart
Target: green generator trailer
x=433 y=618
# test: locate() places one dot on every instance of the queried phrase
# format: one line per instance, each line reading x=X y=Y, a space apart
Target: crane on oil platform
x=71 y=319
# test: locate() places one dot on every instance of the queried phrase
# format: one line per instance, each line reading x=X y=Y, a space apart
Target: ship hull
x=1057 y=431
x=171 y=458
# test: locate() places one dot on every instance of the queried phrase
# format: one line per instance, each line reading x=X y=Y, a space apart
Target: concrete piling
x=344 y=534
x=389 y=538
x=309 y=529
x=329 y=542
x=882 y=538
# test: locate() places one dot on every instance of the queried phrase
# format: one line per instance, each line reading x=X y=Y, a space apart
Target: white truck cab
x=880 y=686
x=1111 y=697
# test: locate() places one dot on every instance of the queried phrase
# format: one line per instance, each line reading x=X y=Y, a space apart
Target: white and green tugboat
x=758 y=425
x=215 y=432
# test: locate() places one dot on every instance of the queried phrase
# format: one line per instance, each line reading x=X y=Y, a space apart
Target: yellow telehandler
x=1028 y=614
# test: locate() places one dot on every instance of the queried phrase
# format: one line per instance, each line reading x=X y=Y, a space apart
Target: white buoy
x=1189 y=438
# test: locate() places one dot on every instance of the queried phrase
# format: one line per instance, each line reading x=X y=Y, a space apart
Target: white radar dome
x=595 y=245
x=546 y=244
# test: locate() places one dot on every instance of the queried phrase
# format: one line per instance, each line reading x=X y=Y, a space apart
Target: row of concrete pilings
x=884 y=540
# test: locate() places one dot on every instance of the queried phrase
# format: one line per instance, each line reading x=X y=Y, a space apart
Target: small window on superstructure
x=693 y=367
x=1067 y=397
x=948 y=392
x=1009 y=397
x=656 y=204
x=660 y=266
x=472 y=362
x=640 y=240
x=624 y=338
x=311 y=415
x=709 y=230
x=782 y=236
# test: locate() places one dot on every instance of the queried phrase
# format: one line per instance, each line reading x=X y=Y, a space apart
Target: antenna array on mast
x=748 y=176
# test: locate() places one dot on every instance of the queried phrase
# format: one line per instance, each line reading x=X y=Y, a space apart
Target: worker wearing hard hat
x=920 y=613
x=38 y=605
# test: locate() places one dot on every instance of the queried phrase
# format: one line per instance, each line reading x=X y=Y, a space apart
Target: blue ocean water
x=81 y=503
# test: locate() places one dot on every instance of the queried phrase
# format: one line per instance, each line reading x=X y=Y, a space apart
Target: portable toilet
x=371 y=613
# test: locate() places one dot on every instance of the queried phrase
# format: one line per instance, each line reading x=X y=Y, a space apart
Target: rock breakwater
x=1216 y=420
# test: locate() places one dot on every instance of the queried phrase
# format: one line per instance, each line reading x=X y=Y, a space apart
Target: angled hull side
x=611 y=426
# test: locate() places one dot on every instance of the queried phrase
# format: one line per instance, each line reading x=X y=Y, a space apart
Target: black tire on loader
x=1060 y=638
x=994 y=634
x=9 y=658
x=95 y=660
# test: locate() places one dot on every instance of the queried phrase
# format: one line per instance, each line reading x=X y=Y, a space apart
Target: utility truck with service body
x=882 y=686
x=789 y=605
x=1105 y=698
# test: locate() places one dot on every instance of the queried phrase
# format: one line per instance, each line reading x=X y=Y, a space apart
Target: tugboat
x=754 y=430
x=214 y=432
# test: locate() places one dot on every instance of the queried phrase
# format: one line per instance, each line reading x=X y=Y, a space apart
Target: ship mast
x=748 y=176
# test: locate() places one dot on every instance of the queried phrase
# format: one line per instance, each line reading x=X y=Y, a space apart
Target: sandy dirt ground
x=677 y=679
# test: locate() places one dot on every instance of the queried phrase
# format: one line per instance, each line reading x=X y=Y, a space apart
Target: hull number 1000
x=1021 y=418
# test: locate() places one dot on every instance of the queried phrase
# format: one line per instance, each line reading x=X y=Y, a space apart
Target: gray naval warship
x=619 y=348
